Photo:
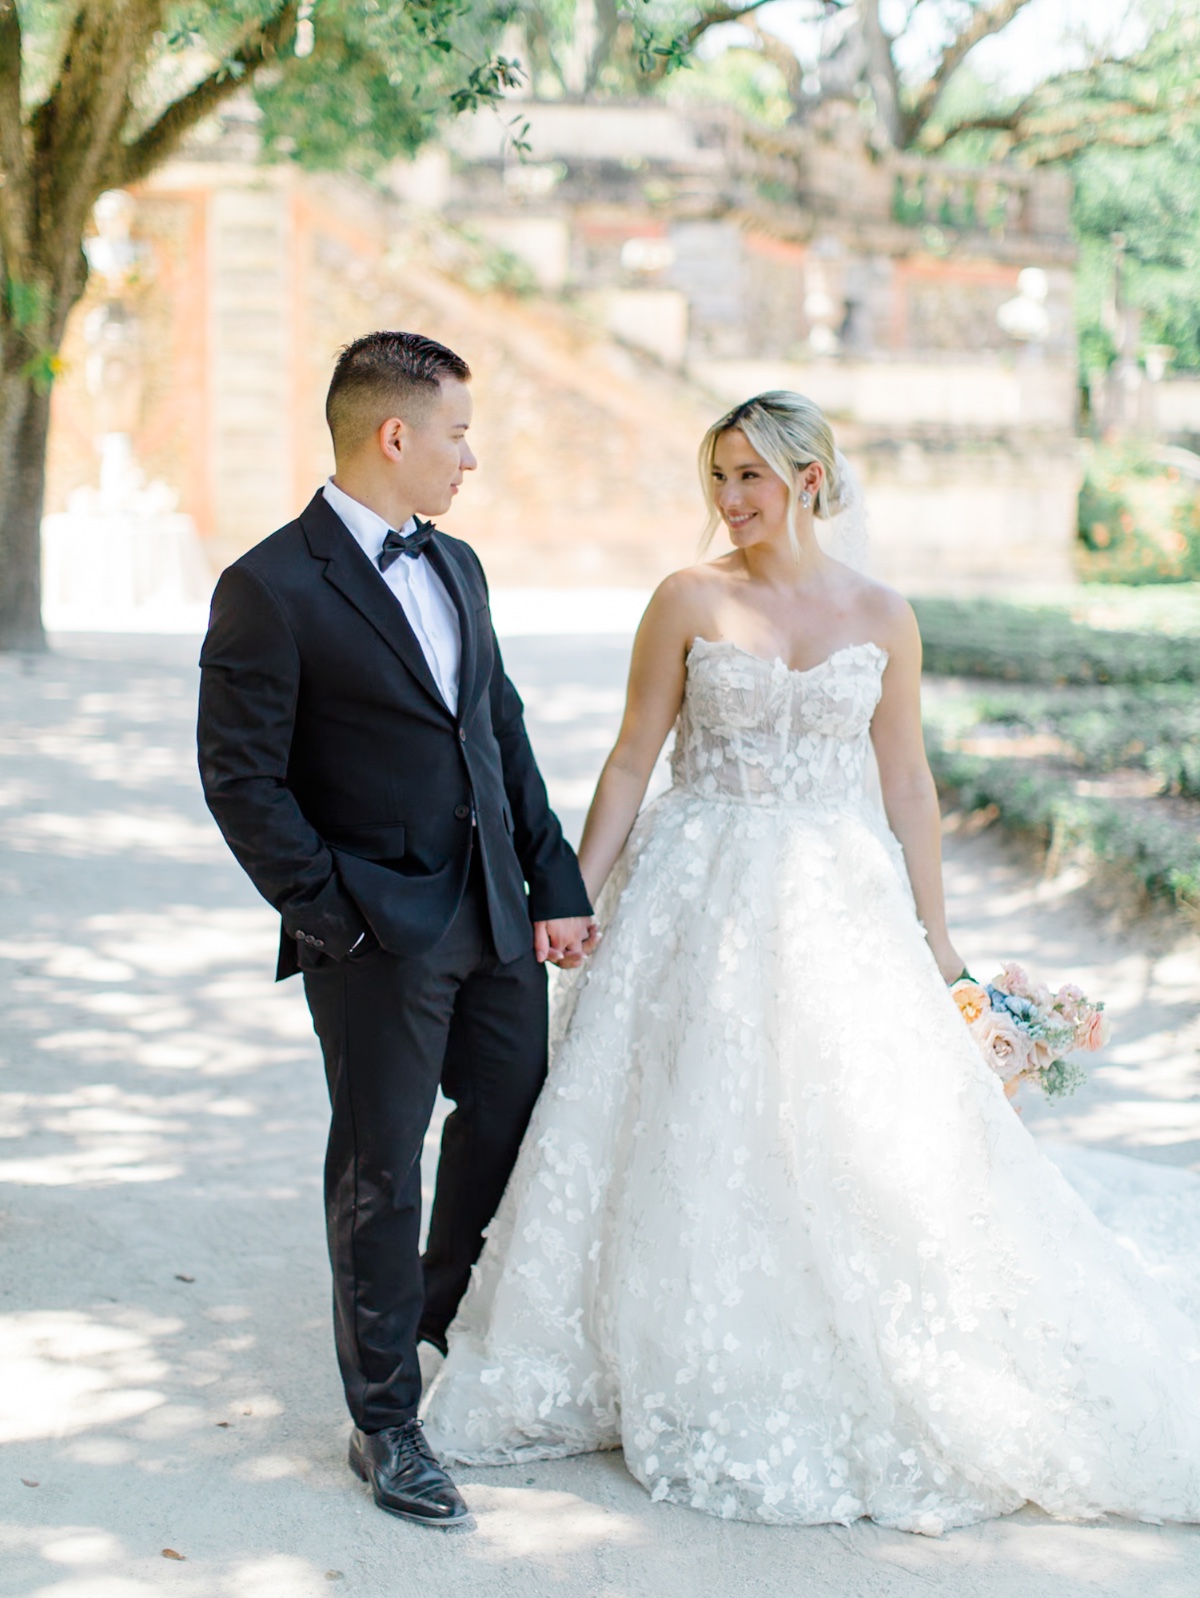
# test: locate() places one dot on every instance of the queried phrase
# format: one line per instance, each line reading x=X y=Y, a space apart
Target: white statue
x=1026 y=318
x=121 y=556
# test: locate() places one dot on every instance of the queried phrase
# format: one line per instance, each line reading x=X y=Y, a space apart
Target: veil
x=846 y=536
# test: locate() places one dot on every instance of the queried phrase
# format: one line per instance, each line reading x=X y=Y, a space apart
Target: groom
x=366 y=760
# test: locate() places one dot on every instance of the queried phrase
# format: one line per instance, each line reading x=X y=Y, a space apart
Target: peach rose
x=1040 y=1056
x=971 y=998
x=1005 y=1048
x=1095 y=1032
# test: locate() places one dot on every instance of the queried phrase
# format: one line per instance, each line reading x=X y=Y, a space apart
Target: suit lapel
x=351 y=573
x=447 y=569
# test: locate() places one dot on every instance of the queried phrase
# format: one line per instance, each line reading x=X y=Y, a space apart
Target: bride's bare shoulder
x=888 y=615
x=685 y=602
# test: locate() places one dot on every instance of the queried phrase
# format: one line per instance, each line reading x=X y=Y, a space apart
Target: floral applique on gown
x=775 y=1230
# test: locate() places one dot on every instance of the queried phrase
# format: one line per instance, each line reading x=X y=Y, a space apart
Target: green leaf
x=42 y=370
x=26 y=303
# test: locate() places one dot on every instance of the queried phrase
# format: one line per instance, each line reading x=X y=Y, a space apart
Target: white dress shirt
x=421 y=592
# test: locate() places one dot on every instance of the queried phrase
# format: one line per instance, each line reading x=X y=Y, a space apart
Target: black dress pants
x=392 y=1028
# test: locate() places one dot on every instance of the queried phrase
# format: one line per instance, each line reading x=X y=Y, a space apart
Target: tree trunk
x=24 y=429
x=881 y=75
x=53 y=165
x=28 y=358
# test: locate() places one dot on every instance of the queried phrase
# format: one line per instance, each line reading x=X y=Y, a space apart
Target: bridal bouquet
x=1023 y=1030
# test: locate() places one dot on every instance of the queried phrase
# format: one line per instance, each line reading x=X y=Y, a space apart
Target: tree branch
x=685 y=42
x=772 y=48
x=985 y=122
x=716 y=15
x=1116 y=135
x=260 y=46
x=77 y=127
x=882 y=75
x=984 y=22
x=1070 y=114
x=14 y=156
x=12 y=146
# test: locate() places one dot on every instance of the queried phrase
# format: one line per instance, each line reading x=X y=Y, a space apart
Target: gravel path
x=168 y=1380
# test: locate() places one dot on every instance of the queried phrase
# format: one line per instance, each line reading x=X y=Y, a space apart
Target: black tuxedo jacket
x=346 y=788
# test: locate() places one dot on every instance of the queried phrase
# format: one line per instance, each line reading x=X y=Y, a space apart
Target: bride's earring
x=806 y=499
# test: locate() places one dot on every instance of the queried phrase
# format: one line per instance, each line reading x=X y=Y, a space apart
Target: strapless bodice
x=759 y=732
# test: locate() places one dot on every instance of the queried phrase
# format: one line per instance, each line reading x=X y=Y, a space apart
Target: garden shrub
x=1161 y=853
x=1155 y=727
x=1139 y=519
x=1110 y=699
x=1040 y=644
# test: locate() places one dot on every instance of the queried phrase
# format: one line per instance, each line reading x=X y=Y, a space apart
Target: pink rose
x=1004 y=1046
x=1068 y=1001
x=1014 y=980
x=1094 y=1032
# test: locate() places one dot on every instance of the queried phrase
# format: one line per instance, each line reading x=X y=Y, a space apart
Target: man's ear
x=392 y=437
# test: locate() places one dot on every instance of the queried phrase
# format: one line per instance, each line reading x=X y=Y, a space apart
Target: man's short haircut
x=386 y=374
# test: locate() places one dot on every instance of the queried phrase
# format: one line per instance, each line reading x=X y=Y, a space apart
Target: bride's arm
x=909 y=795
x=655 y=692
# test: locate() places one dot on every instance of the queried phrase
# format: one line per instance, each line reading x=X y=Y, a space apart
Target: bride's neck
x=775 y=563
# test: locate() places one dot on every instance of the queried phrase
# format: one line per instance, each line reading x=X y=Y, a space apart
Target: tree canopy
x=1125 y=124
x=95 y=94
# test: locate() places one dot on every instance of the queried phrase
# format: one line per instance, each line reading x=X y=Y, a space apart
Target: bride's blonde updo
x=790 y=432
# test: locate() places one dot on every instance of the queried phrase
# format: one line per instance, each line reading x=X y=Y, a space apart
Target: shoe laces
x=410 y=1440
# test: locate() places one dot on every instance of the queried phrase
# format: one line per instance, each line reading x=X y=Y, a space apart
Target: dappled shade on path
x=164 y=1326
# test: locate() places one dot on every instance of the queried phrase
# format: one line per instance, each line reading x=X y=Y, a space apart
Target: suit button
x=462 y=736
x=318 y=943
x=462 y=812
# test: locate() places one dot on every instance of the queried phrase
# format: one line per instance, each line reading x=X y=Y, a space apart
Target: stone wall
x=663 y=296
x=802 y=242
x=587 y=449
x=1174 y=407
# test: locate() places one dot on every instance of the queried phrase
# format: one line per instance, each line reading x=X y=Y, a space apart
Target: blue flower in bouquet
x=1021 y=1009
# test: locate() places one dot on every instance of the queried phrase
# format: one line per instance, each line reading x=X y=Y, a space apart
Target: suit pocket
x=382 y=841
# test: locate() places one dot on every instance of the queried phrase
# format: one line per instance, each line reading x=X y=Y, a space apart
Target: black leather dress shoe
x=403 y=1473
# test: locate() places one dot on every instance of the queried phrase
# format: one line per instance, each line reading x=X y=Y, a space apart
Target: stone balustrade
x=1002 y=205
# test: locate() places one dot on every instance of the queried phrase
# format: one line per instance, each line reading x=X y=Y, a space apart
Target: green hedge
x=1162 y=853
x=1155 y=727
x=1017 y=643
x=1112 y=699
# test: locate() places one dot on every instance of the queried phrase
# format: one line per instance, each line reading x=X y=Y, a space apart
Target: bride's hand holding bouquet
x=1024 y=1031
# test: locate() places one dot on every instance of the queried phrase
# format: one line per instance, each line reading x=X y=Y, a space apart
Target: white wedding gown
x=775 y=1230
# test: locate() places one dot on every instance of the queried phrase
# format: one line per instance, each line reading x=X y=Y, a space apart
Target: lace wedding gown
x=775 y=1230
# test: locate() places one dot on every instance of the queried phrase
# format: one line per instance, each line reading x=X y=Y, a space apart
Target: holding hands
x=567 y=942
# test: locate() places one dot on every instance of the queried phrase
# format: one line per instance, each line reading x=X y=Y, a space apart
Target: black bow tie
x=410 y=544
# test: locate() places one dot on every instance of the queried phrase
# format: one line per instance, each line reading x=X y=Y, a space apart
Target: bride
x=775 y=1230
